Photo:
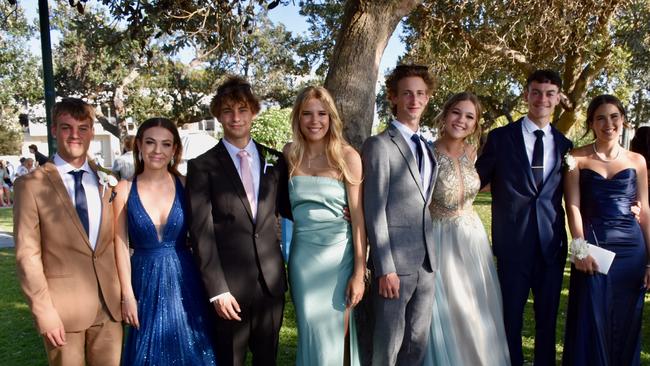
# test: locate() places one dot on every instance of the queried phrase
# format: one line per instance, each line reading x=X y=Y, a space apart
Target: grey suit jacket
x=396 y=207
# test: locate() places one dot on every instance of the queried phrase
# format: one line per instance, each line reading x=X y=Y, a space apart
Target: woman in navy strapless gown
x=162 y=296
x=604 y=314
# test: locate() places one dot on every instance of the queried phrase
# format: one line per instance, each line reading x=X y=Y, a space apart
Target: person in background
x=640 y=144
x=328 y=254
x=26 y=166
x=5 y=182
x=40 y=158
x=124 y=165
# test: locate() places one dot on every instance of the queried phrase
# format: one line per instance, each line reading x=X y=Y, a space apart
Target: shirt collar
x=530 y=127
x=233 y=150
x=405 y=130
x=65 y=167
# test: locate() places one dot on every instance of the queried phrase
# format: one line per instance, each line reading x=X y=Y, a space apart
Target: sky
x=287 y=15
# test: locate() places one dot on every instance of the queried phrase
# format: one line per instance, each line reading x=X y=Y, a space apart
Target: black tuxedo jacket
x=232 y=250
x=522 y=215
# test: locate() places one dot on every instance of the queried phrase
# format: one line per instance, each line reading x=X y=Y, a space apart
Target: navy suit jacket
x=522 y=215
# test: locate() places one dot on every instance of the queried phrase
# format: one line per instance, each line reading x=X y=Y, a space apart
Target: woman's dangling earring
x=140 y=156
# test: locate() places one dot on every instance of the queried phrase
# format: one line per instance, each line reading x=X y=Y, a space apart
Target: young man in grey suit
x=400 y=172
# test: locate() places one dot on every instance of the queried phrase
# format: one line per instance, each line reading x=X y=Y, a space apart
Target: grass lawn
x=20 y=345
x=6 y=219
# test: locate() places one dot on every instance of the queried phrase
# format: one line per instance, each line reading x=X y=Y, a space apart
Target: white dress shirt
x=254 y=158
x=91 y=186
x=528 y=128
x=406 y=132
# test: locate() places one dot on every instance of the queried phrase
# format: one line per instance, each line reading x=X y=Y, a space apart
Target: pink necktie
x=247 y=179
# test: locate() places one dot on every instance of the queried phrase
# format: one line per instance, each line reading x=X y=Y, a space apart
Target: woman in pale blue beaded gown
x=327 y=257
x=467 y=326
x=162 y=296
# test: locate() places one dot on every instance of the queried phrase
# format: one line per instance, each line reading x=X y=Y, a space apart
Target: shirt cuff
x=213 y=299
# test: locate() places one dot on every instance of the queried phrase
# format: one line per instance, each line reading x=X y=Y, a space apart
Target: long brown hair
x=335 y=142
x=474 y=138
x=169 y=126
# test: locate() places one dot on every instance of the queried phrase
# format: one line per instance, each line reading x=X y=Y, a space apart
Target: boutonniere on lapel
x=269 y=160
x=569 y=162
x=106 y=179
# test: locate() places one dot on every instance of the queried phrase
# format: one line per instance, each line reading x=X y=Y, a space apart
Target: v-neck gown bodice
x=175 y=328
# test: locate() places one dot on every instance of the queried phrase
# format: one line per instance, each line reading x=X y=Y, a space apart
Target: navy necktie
x=80 y=198
x=538 y=159
x=418 y=151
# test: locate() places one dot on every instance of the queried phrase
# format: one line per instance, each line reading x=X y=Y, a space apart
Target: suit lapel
x=520 y=149
x=230 y=171
x=264 y=190
x=557 y=140
x=407 y=154
x=105 y=220
x=434 y=170
x=56 y=181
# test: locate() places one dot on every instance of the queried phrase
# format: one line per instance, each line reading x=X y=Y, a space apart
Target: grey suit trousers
x=404 y=321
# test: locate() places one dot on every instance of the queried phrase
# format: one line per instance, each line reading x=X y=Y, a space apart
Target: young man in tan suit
x=63 y=228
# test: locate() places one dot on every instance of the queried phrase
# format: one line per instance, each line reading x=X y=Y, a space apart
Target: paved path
x=6 y=239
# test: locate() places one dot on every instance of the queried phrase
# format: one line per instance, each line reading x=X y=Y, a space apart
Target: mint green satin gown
x=321 y=262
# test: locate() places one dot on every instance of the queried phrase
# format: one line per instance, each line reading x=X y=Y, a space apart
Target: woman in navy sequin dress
x=603 y=326
x=162 y=296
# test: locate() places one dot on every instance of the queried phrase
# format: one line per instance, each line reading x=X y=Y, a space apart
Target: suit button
x=257 y=236
x=94 y=257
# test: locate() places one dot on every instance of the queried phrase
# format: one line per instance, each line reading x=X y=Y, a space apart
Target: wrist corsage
x=569 y=161
x=579 y=248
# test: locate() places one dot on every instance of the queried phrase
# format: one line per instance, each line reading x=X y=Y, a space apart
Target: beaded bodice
x=456 y=186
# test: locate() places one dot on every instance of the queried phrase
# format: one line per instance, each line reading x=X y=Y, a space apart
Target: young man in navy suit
x=522 y=163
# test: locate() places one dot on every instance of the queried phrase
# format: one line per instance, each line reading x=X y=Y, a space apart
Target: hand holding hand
x=389 y=286
x=587 y=265
x=227 y=307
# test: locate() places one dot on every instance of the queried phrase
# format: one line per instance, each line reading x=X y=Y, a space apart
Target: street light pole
x=48 y=70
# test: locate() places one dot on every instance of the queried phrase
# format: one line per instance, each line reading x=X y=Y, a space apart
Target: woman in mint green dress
x=327 y=257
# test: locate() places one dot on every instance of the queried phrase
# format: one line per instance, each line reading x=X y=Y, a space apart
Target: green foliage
x=20 y=80
x=324 y=19
x=11 y=138
x=273 y=128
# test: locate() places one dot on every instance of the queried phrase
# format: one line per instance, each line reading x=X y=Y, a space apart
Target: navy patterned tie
x=418 y=151
x=538 y=159
x=80 y=198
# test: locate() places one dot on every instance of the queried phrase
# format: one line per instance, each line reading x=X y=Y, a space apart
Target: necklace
x=317 y=157
x=618 y=152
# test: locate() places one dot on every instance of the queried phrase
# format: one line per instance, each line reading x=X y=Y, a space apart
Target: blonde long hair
x=335 y=142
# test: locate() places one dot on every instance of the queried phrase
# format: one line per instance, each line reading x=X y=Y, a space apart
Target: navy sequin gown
x=604 y=313
x=172 y=305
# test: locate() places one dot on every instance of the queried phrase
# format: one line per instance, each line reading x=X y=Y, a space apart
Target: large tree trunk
x=352 y=76
x=352 y=79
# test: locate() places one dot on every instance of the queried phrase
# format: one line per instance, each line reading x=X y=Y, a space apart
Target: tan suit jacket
x=59 y=273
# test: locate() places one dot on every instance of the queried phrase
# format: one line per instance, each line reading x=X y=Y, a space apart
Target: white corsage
x=269 y=161
x=579 y=248
x=106 y=180
x=569 y=161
